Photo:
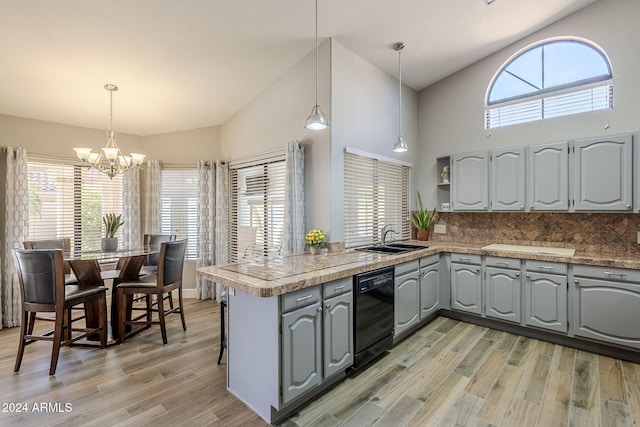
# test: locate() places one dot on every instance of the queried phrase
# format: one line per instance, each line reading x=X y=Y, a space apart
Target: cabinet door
x=607 y=311
x=338 y=333
x=548 y=177
x=502 y=295
x=603 y=174
x=507 y=179
x=470 y=181
x=466 y=288
x=406 y=299
x=429 y=290
x=301 y=351
x=546 y=301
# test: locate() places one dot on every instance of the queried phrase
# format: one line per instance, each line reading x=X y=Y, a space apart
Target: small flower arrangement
x=315 y=239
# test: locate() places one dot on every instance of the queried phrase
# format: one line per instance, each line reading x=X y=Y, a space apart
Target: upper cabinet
x=548 y=177
x=507 y=179
x=602 y=174
x=469 y=180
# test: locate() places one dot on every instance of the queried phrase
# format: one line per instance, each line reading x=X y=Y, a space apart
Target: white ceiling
x=194 y=63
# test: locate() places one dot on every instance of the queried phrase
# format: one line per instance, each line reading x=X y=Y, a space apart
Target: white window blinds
x=67 y=200
x=256 y=209
x=376 y=193
x=179 y=211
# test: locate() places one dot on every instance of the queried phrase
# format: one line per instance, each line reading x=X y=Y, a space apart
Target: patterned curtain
x=16 y=231
x=206 y=209
x=294 y=199
x=153 y=191
x=131 y=230
x=222 y=219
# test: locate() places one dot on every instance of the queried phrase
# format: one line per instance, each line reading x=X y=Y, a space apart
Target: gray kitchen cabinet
x=502 y=294
x=406 y=297
x=470 y=181
x=607 y=305
x=338 y=333
x=301 y=351
x=429 y=286
x=548 y=177
x=546 y=301
x=466 y=287
x=602 y=174
x=507 y=179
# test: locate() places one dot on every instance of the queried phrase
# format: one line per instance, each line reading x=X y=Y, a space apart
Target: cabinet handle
x=337 y=288
x=576 y=281
x=628 y=206
x=502 y=263
x=304 y=298
x=464 y=259
x=328 y=307
x=521 y=207
x=517 y=274
x=478 y=269
x=531 y=207
x=546 y=268
x=527 y=275
x=620 y=275
x=319 y=309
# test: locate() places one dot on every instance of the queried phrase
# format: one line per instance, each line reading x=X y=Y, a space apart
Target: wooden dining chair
x=42 y=290
x=62 y=243
x=153 y=241
x=169 y=278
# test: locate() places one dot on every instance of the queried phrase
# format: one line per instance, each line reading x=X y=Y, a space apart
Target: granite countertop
x=268 y=277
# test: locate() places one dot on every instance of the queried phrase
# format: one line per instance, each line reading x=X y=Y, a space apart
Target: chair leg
x=184 y=324
x=122 y=314
x=223 y=338
x=149 y=302
x=102 y=314
x=171 y=301
x=163 y=326
x=57 y=341
x=32 y=321
x=24 y=326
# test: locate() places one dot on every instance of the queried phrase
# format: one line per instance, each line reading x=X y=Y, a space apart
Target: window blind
x=67 y=200
x=376 y=193
x=179 y=207
x=256 y=209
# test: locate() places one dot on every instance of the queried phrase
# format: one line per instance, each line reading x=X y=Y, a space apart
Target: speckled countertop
x=267 y=277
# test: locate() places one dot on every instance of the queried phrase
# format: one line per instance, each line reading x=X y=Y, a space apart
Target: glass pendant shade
x=316 y=120
x=400 y=146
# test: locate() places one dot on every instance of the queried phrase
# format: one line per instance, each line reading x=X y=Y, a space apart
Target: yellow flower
x=315 y=238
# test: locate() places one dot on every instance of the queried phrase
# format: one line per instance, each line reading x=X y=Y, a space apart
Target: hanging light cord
x=400 y=89
x=316 y=52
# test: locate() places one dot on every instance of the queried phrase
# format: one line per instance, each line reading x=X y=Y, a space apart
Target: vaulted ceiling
x=194 y=63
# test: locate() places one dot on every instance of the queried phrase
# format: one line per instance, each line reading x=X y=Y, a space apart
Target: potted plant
x=112 y=224
x=422 y=219
x=316 y=240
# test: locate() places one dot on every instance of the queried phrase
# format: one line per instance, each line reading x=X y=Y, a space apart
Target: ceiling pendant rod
x=316 y=120
x=400 y=146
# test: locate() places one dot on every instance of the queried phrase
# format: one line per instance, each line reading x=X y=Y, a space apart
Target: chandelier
x=111 y=161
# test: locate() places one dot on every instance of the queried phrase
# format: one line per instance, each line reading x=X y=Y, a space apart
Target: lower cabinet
x=317 y=340
x=502 y=294
x=466 y=288
x=607 y=305
x=546 y=301
x=406 y=297
x=429 y=286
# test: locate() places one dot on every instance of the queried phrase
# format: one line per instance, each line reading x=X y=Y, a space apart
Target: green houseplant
x=112 y=224
x=422 y=219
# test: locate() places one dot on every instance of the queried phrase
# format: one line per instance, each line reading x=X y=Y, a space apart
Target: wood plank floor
x=449 y=373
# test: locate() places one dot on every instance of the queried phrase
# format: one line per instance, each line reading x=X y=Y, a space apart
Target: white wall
x=451 y=111
x=277 y=116
x=364 y=101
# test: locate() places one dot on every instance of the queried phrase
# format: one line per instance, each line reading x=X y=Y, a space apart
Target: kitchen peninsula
x=507 y=288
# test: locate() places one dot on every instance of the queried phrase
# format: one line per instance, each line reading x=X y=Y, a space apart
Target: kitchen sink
x=392 y=248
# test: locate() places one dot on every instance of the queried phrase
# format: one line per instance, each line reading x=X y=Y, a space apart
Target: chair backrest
x=171 y=262
x=153 y=241
x=41 y=275
x=64 y=244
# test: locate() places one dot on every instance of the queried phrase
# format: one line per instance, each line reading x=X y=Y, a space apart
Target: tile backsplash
x=600 y=232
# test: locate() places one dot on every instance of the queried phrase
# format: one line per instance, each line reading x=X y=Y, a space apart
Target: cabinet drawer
x=546 y=267
x=500 y=262
x=606 y=273
x=466 y=258
x=337 y=287
x=300 y=298
x=406 y=267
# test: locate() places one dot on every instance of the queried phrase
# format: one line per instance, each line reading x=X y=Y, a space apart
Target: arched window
x=551 y=78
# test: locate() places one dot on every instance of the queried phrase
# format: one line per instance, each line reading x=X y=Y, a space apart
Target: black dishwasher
x=373 y=325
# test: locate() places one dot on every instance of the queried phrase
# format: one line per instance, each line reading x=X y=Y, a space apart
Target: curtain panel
x=294 y=199
x=221 y=237
x=15 y=232
x=132 y=229
x=153 y=198
x=206 y=210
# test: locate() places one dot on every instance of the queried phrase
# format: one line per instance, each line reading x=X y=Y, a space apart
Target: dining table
x=93 y=267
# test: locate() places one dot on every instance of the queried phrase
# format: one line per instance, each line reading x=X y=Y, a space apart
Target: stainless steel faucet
x=385 y=230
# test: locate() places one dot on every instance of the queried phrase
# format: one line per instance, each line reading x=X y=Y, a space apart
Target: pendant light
x=111 y=161
x=400 y=146
x=316 y=120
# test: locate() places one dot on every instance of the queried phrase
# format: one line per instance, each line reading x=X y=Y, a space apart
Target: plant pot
x=423 y=235
x=109 y=244
x=314 y=250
